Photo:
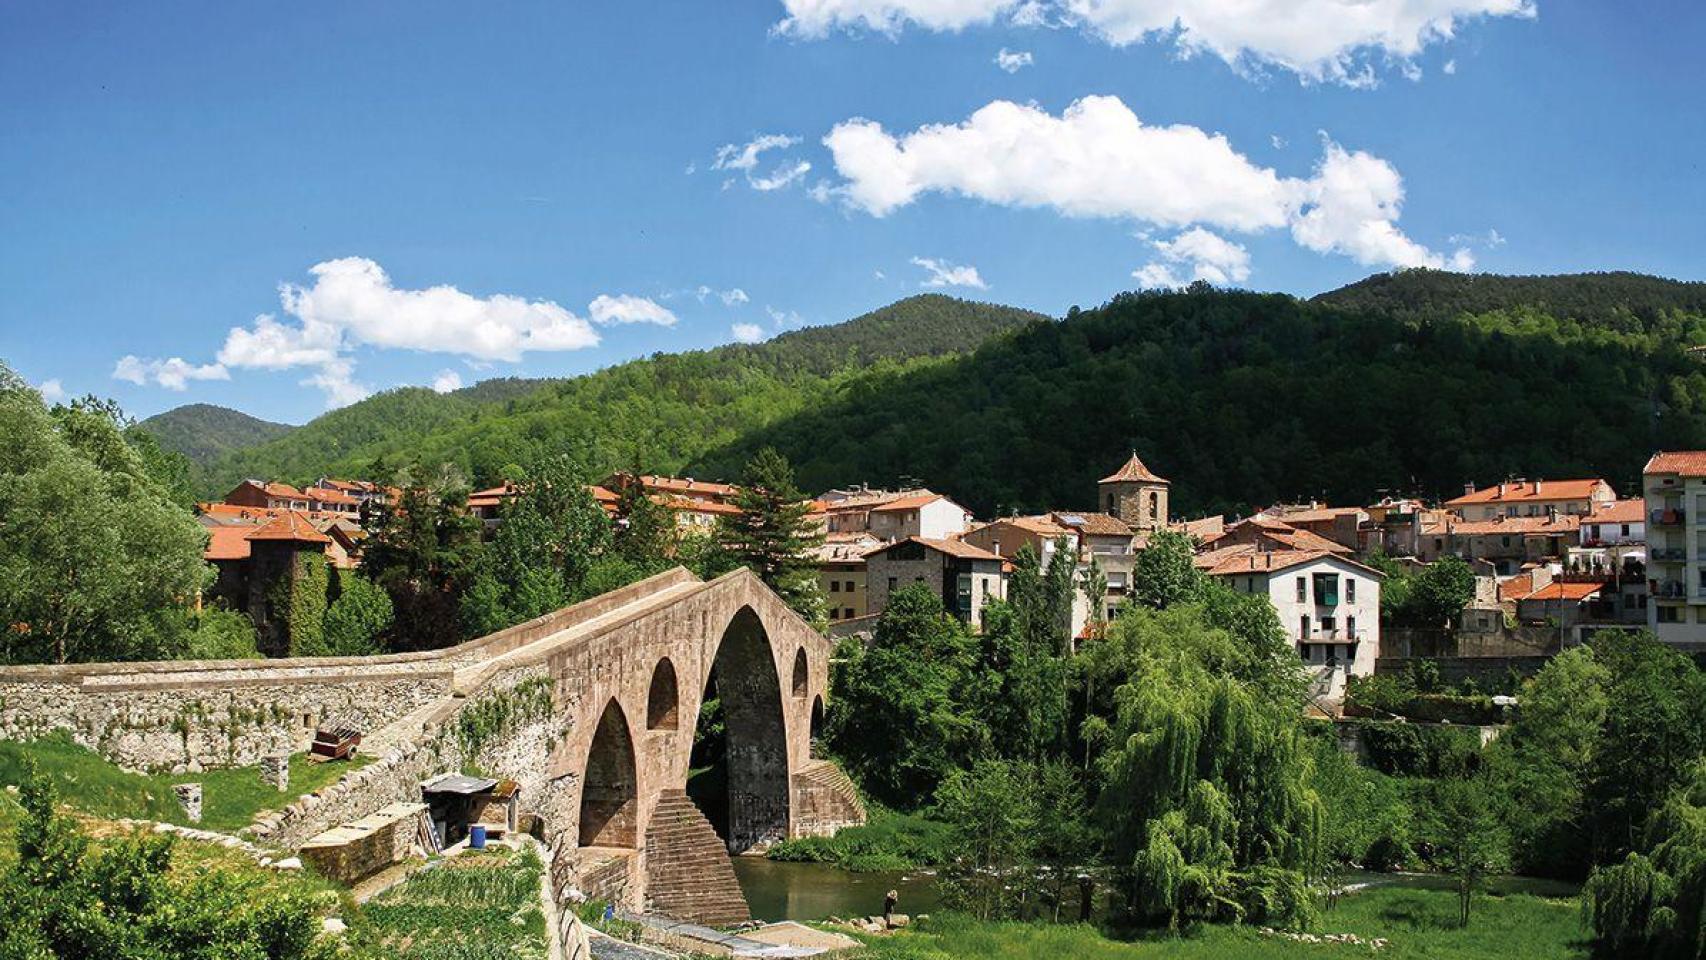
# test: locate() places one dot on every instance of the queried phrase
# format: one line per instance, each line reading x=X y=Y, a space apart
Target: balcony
x=1667 y=517
x=1670 y=590
x=1669 y=555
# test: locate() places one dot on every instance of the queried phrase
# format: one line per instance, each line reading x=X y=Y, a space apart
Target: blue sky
x=165 y=168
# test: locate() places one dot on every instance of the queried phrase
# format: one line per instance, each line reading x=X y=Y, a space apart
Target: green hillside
x=203 y=432
x=664 y=410
x=1242 y=398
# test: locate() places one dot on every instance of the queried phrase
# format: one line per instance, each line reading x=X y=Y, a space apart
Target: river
x=812 y=891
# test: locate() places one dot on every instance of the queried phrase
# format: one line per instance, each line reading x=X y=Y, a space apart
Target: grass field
x=92 y=785
x=478 y=906
x=1419 y=925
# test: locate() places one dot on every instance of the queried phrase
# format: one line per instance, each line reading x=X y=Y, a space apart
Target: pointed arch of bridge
x=610 y=797
x=663 y=698
x=802 y=675
x=749 y=688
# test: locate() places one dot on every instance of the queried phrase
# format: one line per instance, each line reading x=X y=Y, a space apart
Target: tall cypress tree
x=774 y=535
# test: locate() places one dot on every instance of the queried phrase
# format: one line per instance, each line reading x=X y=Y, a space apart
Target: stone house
x=268 y=496
x=964 y=576
x=1510 y=542
x=1342 y=525
x=1007 y=536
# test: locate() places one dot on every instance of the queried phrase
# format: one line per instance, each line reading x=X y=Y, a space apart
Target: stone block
x=189 y=797
x=275 y=771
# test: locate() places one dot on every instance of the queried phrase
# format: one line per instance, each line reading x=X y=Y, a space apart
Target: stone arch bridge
x=592 y=709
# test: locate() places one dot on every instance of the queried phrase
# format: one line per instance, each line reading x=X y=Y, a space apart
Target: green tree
x=219 y=634
x=423 y=551
x=1093 y=583
x=1206 y=780
x=905 y=712
x=1472 y=844
x=1164 y=572
x=358 y=618
x=1653 y=903
x=993 y=810
x=66 y=898
x=645 y=534
x=96 y=560
x=774 y=536
x=1437 y=594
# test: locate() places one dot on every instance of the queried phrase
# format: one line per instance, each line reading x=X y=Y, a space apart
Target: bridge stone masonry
x=591 y=709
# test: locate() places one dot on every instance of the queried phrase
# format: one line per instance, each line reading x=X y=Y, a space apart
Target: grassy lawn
x=478 y=906
x=92 y=785
x=1420 y=925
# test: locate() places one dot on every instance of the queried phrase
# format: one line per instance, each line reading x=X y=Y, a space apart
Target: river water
x=812 y=891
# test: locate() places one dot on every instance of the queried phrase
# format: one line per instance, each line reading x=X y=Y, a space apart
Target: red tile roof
x=1688 y=463
x=1532 y=491
x=1619 y=511
x=912 y=502
x=1092 y=524
x=330 y=495
x=1527 y=526
x=1134 y=470
x=683 y=485
x=290 y=525
x=227 y=543
x=953 y=548
x=1231 y=562
x=690 y=505
x=1557 y=590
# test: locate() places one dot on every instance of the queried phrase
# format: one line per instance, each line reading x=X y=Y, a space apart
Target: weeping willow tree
x=1653 y=904
x=1207 y=783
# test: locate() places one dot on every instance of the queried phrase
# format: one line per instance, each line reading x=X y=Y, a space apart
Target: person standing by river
x=889 y=900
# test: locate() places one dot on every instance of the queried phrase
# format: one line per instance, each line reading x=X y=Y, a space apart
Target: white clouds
x=446 y=381
x=352 y=303
x=627 y=308
x=173 y=374
x=52 y=391
x=1013 y=61
x=1449 y=68
x=747 y=332
x=744 y=159
x=784 y=318
x=1209 y=256
x=1098 y=160
x=1319 y=40
x=945 y=274
x=730 y=297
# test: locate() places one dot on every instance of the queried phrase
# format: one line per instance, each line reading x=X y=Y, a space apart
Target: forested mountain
x=1242 y=399
x=662 y=411
x=1622 y=300
x=203 y=432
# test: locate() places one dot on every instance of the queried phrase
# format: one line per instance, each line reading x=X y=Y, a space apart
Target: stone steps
x=690 y=876
x=825 y=800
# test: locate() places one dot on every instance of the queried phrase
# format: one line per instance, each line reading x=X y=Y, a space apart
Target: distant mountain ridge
x=663 y=409
x=203 y=432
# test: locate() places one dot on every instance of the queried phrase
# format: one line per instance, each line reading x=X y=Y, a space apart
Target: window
x=1351 y=627
x=1439 y=544
x=892 y=582
x=1326 y=589
x=1350 y=590
x=835 y=586
x=1327 y=624
x=1625 y=530
x=1303 y=626
x=1303 y=651
x=1505 y=541
x=1303 y=590
x=1154 y=506
x=1669 y=614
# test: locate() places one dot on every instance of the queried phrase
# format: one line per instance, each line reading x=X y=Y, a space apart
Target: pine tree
x=774 y=536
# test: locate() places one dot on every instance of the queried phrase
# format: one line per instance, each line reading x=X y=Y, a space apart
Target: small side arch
x=801 y=674
x=817 y=726
x=663 y=699
x=610 y=806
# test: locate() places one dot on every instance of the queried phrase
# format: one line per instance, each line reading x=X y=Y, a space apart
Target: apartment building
x=1537 y=498
x=1674 y=488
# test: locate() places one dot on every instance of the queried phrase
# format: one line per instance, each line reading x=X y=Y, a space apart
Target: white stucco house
x=1329 y=606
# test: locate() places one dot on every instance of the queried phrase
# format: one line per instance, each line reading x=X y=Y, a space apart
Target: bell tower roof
x=1133 y=472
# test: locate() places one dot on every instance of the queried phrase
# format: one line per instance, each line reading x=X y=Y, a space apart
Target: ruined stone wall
x=179 y=723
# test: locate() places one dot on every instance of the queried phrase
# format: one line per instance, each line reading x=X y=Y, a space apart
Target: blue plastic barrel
x=476 y=837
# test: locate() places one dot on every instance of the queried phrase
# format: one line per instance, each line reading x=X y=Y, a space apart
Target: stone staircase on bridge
x=690 y=876
x=825 y=800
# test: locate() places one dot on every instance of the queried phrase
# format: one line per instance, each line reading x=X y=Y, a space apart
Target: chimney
x=1501 y=489
x=1468 y=488
x=1537 y=486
